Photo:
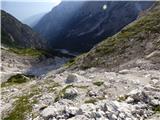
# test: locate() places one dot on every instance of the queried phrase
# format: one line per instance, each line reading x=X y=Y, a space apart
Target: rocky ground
x=128 y=94
x=13 y=64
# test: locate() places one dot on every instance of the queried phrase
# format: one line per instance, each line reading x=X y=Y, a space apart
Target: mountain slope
x=33 y=20
x=95 y=93
x=139 y=40
x=16 y=33
x=81 y=25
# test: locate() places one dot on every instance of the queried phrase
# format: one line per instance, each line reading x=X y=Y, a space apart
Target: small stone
x=114 y=117
x=155 y=102
x=128 y=118
x=155 y=81
x=92 y=93
x=122 y=115
x=125 y=71
x=129 y=100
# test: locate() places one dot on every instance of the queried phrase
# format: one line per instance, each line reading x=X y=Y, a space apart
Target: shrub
x=98 y=83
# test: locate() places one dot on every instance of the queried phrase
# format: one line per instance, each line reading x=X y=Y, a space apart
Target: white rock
x=122 y=115
x=155 y=81
x=129 y=100
x=114 y=117
x=71 y=110
x=129 y=118
x=49 y=112
x=155 y=102
x=125 y=71
x=137 y=95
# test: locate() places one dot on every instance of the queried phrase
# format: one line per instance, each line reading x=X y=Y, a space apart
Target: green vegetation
x=101 y=98
x=22 y=107
x=93 y=101
x=122 y=98
x=70 y=62
x=27 y=52
x=81 y=87
x=16 y=79
x=62 y=92
x=98 y=83
x=73 y=61
x=52 y=86
x=156 y=109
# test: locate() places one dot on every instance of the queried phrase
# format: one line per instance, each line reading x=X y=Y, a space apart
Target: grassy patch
x=122 y=98
x=51 y=88
x=22 y=107
x=98 y=83
x=93 y=101
x=101 y=98
x=156 y=109
x=70 y=62
x=81 y=86
x=16 y=79
x=27 y=52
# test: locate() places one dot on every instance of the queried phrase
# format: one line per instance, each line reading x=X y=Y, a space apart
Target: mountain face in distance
x=33 y=20
x=14 y=32
x=138 y=40
x=78 y=26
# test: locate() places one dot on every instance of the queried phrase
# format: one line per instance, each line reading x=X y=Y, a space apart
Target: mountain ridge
x=20 y=34
x=86 y=23
x=137 y=40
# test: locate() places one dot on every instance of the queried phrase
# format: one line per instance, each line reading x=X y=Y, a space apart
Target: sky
x=51 y=1
x=24 y=9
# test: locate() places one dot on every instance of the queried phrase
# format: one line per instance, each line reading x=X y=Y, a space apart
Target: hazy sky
x=23 y=9
x=53 y=1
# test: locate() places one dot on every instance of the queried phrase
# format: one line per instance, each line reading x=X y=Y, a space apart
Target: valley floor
x=128 y=94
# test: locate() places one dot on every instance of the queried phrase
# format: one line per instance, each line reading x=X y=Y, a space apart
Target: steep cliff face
x=16 y=33
x=139 y=40
x=80 y=25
